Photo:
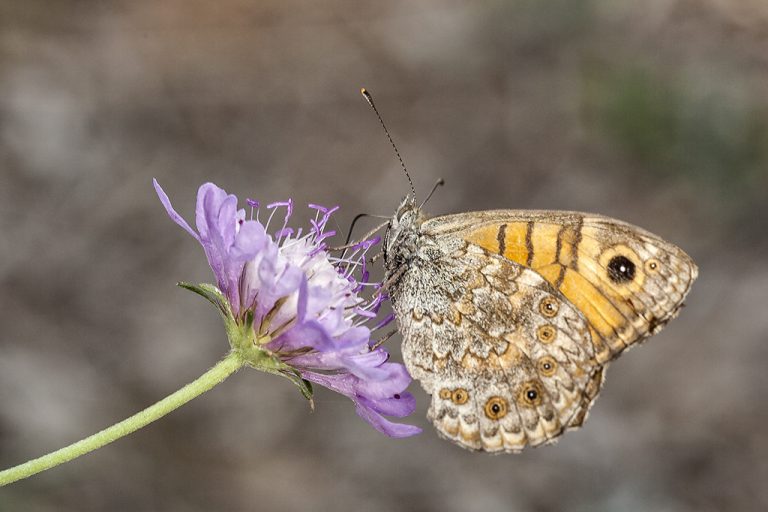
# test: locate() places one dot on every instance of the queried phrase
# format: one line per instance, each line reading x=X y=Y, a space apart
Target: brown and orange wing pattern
x=627 y=283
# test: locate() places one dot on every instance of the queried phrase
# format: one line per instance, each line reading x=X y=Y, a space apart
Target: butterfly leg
x=386 y=285
x=379 y=342
x=376 y=257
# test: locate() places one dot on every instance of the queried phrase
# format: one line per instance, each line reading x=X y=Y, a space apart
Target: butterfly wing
x=627 y=282
x=508 y=361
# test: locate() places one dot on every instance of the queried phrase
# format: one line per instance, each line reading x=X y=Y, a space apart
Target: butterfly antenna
x=369 y=99
x=438 y=183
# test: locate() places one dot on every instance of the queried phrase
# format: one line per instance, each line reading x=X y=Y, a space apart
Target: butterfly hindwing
x=507 y=359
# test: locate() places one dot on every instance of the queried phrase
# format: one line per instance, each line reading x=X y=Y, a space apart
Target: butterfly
x=510 y=318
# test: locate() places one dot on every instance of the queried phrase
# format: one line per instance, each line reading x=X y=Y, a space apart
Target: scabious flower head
x=292 y=309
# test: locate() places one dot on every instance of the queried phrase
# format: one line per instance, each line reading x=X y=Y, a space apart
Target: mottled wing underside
x=508 y=361
x=628 y=283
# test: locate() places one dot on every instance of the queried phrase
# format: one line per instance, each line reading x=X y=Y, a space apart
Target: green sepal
x=305 y=387
x=212 y=294
x=239 y=336
x=273 y=365
x=242 y=339
x=248 y=324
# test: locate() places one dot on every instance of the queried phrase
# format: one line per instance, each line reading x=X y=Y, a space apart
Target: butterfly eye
x=621 y=269
x=496 y=408
x=548 y=307
x=547 y=366
x=460 y=396
x=652 y=266
x=530 y=394
x=546 y=333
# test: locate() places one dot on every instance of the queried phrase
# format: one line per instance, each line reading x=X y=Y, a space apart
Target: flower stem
x=223 y=369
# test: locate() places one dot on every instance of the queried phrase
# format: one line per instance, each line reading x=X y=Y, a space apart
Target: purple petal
x=396 y=380
x=210 y=199
x=305 y=335
x=301 y=307
x=175 y=217
x=355 y=336
x=375 y=383
x=400 y=405
x=276 y=280
x=383 y=425
x=331 y=360
x=368 y=365
x=209 y=202
x=343 y=383
x=370 y=409
x=373 y=359
x=249 y=241
x=226 y=221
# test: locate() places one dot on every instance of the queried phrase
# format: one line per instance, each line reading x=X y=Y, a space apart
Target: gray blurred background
x=653 y=112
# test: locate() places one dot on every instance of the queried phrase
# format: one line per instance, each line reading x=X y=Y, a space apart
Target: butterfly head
x=401 y=237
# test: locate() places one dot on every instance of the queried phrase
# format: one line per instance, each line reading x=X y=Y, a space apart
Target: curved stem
x=223 y=369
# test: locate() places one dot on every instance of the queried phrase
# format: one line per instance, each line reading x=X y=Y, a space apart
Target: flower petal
x=369 y=410
x=301 y=307
x=395 y=381
x=383 y=425
x=372 y=359
x=343 y=383
x=249 y=241
x=175 y=217
x=368 y=365
x=211 y=200
x=306 y=335
x=400 y=405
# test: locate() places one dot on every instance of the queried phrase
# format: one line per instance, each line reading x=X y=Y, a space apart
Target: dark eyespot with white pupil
x=621 y=269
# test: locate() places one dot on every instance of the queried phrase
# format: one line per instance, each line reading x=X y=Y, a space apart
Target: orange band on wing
x=551 y=272
x=598 y=310
x=507 y=240
x=486 y=237
x=544 y=243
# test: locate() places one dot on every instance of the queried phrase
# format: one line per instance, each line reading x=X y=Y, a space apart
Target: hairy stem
x=223 y=369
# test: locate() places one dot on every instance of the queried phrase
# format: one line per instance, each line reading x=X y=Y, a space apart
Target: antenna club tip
x=367 y=96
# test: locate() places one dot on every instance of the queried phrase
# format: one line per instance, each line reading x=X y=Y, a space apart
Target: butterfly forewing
x=627 y=282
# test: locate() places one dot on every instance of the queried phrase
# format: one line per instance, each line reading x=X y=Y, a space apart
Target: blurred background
x=652 y=112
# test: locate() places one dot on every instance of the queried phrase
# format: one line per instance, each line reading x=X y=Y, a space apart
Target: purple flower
x=292 y=309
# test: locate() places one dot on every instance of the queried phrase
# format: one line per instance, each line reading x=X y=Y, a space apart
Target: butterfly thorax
x=403 y=238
